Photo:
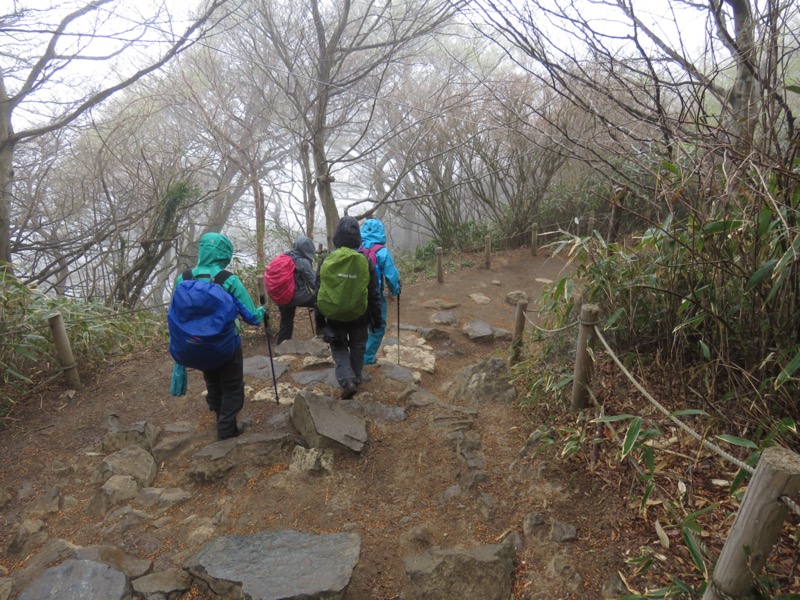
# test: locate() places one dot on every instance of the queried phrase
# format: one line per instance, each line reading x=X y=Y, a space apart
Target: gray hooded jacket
x=302 y=254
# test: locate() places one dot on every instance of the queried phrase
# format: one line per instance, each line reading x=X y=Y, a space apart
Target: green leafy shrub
x=97 y=334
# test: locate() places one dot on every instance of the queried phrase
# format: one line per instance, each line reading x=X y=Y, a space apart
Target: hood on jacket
x=373 y=232
x=304 y=247
x=347 y=233
x=214 y=249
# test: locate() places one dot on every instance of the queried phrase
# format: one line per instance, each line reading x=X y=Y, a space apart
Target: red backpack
x=279 y=279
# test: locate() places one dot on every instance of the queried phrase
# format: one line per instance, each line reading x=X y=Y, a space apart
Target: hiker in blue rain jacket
x=225 y=384
x=373 y=234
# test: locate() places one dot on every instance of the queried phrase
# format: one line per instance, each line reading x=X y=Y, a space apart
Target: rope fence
x=774 y=484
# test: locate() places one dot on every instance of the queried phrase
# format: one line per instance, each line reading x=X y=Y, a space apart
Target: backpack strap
x=221 y=277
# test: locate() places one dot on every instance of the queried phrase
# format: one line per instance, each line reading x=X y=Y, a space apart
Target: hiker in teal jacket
x=373 y=235
x=225 y=384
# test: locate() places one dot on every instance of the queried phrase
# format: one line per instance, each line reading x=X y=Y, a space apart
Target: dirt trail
x=393 y=494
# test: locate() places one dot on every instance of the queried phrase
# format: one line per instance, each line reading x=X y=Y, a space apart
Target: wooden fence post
x=487 y=252
x=757 y=526
x=534 y=239
x=439 y=264
x=64 y=351
x=582 y=377
x=519 y=331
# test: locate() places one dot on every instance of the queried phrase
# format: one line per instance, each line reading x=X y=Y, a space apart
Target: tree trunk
x=309 y=190
x=261 y=221
x=742 y=117
x=7 y=144
x=325 y=190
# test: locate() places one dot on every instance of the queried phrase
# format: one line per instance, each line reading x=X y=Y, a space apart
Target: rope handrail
x=793 y=506
x=559 y=330
x=713 y=447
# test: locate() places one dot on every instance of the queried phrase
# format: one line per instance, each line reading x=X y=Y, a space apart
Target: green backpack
x=343 y=285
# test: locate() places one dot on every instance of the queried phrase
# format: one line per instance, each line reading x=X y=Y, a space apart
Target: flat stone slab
x=313 y=347
x=261 y=367
x=395 y=372
x=478 y=330
x=320 y=376
x=440 y=304
x=277 y=565
x=444 y=317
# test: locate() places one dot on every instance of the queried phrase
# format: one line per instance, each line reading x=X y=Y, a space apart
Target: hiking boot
x=235 y=433
x=349 y=390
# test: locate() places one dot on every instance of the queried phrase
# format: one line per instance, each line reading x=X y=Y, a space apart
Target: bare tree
x=334 y=60
x=656 y=94
x=39 y=46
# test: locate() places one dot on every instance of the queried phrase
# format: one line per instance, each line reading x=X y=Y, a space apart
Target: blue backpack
x=202 y=322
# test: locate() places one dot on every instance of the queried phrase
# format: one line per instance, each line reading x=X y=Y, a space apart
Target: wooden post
x=757 y=526
x=487 y=252
x=534 y=239
x=582 y=378
x=616 y=213
x=519 y=331
x=64 y=351
x=439 y=264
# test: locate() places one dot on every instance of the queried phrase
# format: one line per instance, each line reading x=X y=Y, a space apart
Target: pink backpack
x=279 y=279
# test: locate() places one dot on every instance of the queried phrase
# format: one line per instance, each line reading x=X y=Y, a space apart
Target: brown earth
x=395 y=486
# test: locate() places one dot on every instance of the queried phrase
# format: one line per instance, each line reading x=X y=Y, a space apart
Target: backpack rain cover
x=343 y=283
x=279 y=279
x=202 y=323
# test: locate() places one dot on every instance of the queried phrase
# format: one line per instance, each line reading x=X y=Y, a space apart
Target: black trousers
x=287 y=320
x=225 y=387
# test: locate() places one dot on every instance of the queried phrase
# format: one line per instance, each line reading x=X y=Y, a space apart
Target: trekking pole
x=398 y=328
x=311 y=321
x=269 y=348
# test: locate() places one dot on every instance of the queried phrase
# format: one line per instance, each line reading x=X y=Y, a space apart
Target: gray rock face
x=397 y=373
x=110 y=555
x=141 y=434
x=165 y=585
x=118 y=489
x=315 y=461
x=416 y=397
x=482 y=573
x=478 y=331
x=277 y=565
x=133 y=460
x=260 y=367
x=215 y=460
x=324 y=423
x=444 y=317
x=485 y=381
x=79 y=580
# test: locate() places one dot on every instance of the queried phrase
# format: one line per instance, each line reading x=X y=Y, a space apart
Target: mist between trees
x=450 y=120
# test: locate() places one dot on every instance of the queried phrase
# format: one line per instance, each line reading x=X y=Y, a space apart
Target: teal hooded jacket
x=214 y=253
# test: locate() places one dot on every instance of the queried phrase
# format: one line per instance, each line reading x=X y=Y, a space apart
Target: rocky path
x=426 y=485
